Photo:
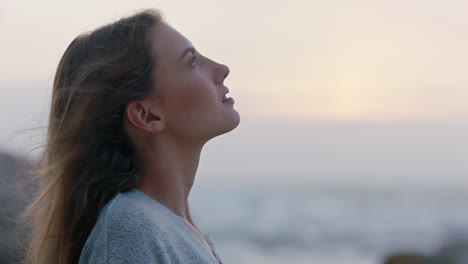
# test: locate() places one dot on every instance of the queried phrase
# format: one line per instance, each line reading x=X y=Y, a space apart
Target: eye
x=192 y=60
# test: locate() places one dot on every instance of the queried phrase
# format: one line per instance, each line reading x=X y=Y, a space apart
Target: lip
x=224 y=96
x=228 y=100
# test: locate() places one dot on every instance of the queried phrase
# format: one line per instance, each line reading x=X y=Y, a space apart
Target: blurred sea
x=326 y=224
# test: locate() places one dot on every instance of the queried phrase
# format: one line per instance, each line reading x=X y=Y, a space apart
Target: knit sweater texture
x=135 y=228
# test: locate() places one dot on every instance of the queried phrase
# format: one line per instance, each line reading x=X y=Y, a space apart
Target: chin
x=229 y=124
x=234 y=121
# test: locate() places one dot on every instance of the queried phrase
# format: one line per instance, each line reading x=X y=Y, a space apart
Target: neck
x=167 y=171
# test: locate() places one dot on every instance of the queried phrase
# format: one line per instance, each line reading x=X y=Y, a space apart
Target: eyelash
x=192 y=59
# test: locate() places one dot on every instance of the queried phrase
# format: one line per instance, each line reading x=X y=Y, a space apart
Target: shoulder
x=138 y=214
x=129 y=229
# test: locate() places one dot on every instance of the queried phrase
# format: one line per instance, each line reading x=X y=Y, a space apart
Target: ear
x=145 y=116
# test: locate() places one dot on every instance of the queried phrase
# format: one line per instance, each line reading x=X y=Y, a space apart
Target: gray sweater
x=134 y=228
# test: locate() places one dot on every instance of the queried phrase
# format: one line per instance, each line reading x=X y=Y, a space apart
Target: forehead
x=168 y=44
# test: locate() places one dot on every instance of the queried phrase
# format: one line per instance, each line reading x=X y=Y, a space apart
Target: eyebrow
x=189 y=49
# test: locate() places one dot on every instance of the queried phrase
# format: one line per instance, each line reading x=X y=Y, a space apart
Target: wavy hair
x=88 y=157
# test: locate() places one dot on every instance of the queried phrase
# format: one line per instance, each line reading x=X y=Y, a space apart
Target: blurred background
x=353 y=141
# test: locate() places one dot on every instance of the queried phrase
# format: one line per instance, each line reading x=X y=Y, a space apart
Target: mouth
x=225 y=97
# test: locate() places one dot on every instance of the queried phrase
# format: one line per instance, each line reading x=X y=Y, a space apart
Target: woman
x=133 y=104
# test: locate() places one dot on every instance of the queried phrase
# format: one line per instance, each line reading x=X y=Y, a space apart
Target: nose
x=226 y=71
x=223 y=72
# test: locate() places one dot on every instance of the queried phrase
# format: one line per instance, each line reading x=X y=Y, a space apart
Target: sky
x=383 y=83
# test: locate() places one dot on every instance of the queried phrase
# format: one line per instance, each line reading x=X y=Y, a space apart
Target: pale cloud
x=333 y=59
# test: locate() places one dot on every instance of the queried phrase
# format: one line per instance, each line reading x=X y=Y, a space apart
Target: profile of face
x=188 y=90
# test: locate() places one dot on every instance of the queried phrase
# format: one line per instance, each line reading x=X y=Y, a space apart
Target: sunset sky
x=341 y=61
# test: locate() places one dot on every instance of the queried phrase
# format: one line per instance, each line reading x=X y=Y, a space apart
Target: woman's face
x=189 y=88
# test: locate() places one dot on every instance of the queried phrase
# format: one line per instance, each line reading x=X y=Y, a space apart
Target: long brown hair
x=88 y=158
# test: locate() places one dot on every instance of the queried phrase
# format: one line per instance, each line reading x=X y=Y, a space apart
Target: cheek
x=181 y=95
x=196 y=96
x=193 y=108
